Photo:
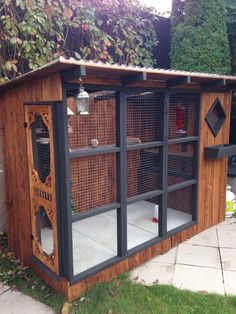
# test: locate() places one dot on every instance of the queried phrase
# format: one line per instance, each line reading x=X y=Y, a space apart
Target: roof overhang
x=104 y=74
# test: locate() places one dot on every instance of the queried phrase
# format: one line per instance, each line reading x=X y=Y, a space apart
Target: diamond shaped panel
x=216 y=117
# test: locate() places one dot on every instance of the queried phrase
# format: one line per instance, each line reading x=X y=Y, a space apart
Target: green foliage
x=231 y=23
x=200 y=42
x=178 y=11
x=34 y=32
x=231 y=11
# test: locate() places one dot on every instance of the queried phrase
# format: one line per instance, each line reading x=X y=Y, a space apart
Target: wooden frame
x=42 y=193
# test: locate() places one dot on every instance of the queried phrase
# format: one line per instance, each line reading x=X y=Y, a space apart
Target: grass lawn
x=118 y=296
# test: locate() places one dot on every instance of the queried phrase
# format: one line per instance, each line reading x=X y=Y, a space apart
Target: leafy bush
x=200 y=41
x=34 y=32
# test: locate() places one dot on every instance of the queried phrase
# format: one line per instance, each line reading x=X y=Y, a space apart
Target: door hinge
x=25 y=125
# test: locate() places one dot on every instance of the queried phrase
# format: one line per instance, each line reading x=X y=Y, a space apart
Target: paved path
x=15 y=302
x=206 y=262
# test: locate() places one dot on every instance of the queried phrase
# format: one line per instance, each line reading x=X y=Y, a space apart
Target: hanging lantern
x=82 y=100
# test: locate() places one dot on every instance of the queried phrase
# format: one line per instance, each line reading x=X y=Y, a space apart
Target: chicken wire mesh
x=144 y=118
x=180 y=206
x=181 y=161
x=96 y=129
x=182 y=115
x=41 y=147
x=94 y=240
x=143 y=171
x=44 y=231
x=142 y=221
x=94 y=178
x=93 y=182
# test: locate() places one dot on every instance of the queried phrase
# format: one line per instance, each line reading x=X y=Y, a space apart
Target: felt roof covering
x=122 y=75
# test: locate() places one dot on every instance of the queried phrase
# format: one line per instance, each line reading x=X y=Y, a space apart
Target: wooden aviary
x=90 y=196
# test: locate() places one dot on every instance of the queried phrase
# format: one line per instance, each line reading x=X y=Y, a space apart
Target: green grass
x=124 y=296
x=117 y=297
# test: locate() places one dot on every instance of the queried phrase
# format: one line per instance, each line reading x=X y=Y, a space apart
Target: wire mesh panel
x=96 y=129
x=94 y=240
x=143 y=171
x=180 y=206
x=41 y=148
x=143 y=118
x=45 y=231
x=182 y=115
x=181 y=160
x=142 y=221
x=93 y=182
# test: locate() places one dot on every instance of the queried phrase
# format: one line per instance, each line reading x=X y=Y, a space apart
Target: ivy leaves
x=34 y=32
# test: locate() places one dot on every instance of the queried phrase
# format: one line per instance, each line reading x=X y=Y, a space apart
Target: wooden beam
x=74 y=73
x=131 y=79
x=231 y=85
x=178 y=81
x=215 y=84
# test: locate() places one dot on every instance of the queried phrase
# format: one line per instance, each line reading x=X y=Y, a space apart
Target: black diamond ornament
x=216 y=117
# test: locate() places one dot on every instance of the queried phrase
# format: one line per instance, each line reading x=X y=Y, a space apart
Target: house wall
x=15 y=157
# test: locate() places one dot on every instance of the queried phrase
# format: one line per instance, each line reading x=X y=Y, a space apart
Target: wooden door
x=40 y=147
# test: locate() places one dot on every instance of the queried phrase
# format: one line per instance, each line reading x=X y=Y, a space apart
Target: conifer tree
x=200 y=41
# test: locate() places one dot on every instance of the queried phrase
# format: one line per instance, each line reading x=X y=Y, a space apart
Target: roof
x=119 y=75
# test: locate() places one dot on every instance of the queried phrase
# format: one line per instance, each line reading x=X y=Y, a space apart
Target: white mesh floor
x=95 y=238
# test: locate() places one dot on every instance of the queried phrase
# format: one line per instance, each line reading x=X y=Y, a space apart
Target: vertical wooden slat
x=16 y=168
x=212 y=173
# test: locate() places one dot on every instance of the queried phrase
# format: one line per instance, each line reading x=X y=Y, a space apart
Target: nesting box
x=91 y=196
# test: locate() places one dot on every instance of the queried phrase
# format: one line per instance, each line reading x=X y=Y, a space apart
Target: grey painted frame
x=121 y=206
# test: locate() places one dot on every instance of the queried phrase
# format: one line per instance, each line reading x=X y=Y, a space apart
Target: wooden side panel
x=15 y=153
x=212 y=173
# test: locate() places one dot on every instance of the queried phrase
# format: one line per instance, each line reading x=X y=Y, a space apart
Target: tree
x=34 y=32
x=231 y=23
x=200 y=42
x=178 y=11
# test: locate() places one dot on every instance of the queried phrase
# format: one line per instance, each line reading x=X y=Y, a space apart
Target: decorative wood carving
x=46 y=119
x=30 y=117
x=48 y=181
x=43 y=194
x=35 y=175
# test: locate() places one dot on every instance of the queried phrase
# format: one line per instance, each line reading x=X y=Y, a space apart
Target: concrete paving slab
x=230 y=282
x=169 y=257
x=196 y=264
x=205 y=238
x=227 y=238
x=153 y=273
x=229 y=225
x=198 y=279
x=189 y=254
x=228 y=257
x=15 y=302
x=3 y=288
